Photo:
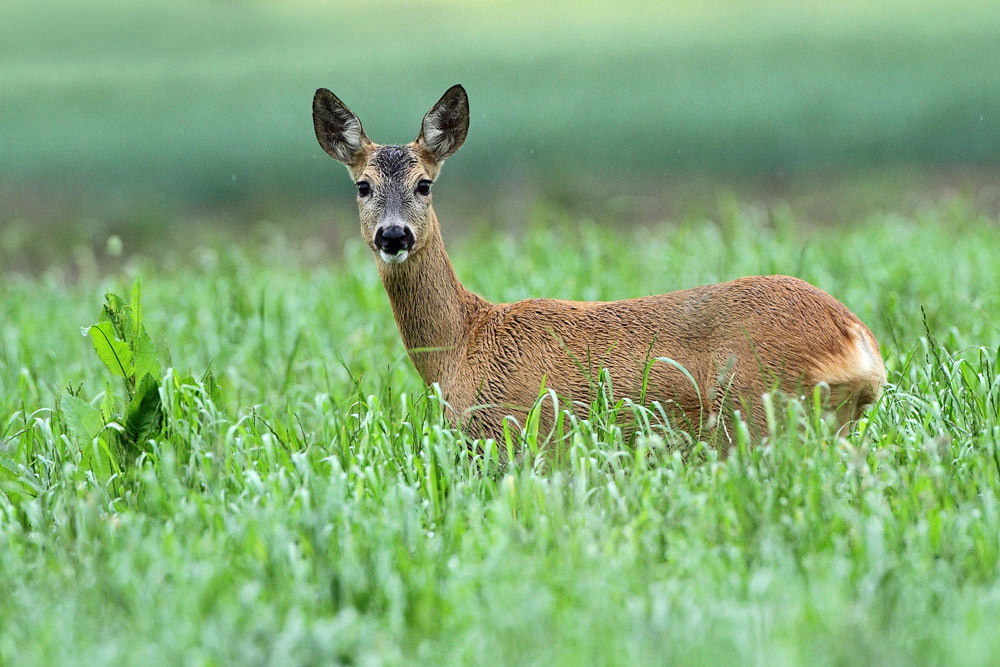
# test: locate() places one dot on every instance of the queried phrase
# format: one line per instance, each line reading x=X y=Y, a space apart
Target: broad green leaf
x=143 y=415
x=112 y=312
x=144 y=356
x=17 y=481
x=111 y=402
x=83 y=419
x=112 y=351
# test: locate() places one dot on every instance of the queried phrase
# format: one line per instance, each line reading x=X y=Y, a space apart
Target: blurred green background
x=135 y=112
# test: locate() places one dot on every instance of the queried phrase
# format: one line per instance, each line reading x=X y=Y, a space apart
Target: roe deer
x=737 y=340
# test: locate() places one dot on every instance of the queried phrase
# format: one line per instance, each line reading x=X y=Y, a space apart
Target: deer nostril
x=393 y=238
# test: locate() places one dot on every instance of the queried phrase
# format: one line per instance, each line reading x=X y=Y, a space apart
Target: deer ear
x=338 y=130
x=445 y=125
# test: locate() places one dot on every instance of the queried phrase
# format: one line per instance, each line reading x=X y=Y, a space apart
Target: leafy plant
x=123 y=423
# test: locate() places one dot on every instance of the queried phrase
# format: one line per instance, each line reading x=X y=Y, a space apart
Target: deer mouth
x=397 y=258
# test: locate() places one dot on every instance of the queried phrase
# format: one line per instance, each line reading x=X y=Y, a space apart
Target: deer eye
x=364 y=188
x=424 y=187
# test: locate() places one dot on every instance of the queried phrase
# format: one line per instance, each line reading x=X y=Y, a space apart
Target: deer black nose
x=393 y=238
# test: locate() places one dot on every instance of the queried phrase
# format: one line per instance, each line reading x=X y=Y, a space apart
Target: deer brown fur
x=736 y=340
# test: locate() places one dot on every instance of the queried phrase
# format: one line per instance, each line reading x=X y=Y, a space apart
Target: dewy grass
x=317 y=508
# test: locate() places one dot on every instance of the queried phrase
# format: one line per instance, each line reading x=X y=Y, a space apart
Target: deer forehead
x=396 y=163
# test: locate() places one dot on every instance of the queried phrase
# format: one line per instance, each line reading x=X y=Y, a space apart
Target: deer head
x=394 y=182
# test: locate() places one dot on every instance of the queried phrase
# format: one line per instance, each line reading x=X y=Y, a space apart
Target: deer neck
x=433 y=310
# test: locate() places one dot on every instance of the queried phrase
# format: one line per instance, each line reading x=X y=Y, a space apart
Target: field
x=282 y=489
x=317 y=506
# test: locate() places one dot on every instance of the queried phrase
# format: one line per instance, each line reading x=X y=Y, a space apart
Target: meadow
x=214 y=450
x=306 y=500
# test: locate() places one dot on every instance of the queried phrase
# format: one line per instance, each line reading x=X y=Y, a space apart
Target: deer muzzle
x=394 y=243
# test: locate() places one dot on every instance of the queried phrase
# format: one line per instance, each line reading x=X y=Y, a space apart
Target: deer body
x=735 y=340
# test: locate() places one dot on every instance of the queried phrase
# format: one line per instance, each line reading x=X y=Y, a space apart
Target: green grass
x=319 y=509
x=123 y=107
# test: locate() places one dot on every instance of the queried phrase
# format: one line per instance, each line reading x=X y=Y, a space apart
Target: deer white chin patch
x=398 y=258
